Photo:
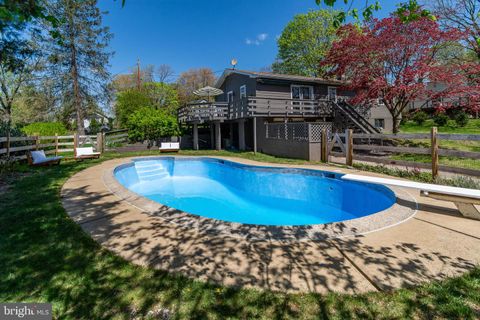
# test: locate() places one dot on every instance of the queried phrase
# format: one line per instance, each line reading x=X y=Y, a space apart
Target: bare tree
x=191 y=80
x=463 y=15
x=164 y=72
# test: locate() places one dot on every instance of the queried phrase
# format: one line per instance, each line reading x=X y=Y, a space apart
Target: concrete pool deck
x=435 y=243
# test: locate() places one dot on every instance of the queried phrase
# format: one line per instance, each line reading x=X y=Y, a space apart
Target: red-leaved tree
x=393 y=61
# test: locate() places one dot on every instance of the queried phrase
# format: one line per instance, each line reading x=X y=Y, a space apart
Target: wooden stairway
x=346 y=117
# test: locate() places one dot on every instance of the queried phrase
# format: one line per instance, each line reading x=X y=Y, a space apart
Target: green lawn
x=447 y=161
x=45 y=256
x=473 y=127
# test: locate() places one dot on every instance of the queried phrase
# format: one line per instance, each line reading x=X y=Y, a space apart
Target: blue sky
x=202 y=33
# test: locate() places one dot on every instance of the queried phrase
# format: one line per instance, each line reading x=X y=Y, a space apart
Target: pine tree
x=79 y=57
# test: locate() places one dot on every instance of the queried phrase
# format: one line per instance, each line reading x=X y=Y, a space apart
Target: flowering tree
x=393 y=61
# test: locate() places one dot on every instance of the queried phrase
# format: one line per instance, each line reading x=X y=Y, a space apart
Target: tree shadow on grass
x=45 y=256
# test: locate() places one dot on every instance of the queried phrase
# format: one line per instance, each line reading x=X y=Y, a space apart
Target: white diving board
x=465 y=199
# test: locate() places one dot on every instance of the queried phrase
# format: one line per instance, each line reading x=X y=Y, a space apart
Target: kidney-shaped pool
x=233 y=192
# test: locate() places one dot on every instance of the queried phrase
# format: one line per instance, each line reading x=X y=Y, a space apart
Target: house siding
x=381 y=112
x=233 y=83
x=283 y=90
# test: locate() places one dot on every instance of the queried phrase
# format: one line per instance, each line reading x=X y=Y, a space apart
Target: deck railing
x=256 y=106
x=289 y=107
x=203 y=111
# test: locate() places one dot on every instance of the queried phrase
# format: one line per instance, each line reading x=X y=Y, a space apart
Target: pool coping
x=403 y=209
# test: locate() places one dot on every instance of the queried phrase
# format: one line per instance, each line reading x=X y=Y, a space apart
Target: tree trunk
x=77 y=99
x=396 y=123
x=76 y=94
x=9 y=129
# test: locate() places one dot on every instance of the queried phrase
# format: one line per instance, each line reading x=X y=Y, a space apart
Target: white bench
x=169 y=147
x=86 y=153
x=465 y=199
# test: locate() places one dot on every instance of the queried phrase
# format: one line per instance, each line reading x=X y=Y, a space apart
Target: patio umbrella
x=208 y=92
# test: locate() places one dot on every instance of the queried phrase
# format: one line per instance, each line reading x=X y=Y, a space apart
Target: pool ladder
x=150 y=170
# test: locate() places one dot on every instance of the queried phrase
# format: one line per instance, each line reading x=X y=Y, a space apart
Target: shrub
x=461 y=118
x=94 y=126
x=14 y=131
x=440 y=119
x=7 y=165
x=150 y=124
x=45 y=129
x=420 y=117
x=128 y=102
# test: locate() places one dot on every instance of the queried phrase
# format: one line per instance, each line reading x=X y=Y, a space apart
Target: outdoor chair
x=38 y=158
x=169 y=147
x=86 y=153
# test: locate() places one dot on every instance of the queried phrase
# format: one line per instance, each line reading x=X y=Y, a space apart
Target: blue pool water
x=234 y=192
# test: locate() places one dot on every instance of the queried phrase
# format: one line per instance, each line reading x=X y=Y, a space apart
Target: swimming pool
x=234 y=192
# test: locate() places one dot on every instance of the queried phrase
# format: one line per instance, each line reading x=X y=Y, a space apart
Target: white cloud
x=261 y=37
x=249 y=42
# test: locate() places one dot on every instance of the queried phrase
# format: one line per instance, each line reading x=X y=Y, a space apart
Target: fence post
x=254 y=135
x=324 y=146
x=104 y=141
x=75 y=144
x=8 y=143
x=434 y=152
x=56 y=144
x=100 y=142
x=37 y=141
x=349 y=147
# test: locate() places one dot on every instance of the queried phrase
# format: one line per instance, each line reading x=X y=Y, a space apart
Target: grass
x=46 y=257
x=473 y=127
x=447 y=161
x=421 y=176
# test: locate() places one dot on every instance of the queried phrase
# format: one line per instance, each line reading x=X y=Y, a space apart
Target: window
x=302 y=92
x=332 y=93
x=243 y=91
x=380 y=123
x=230 y=96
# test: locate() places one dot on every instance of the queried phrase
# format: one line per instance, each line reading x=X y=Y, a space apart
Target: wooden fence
x=17 y=147
x=382 y=148
x=112 y=138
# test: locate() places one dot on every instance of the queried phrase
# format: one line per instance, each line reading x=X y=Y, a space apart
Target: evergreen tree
x=79 y=57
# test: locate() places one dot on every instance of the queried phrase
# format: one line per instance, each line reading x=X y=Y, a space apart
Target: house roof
x=275 y=76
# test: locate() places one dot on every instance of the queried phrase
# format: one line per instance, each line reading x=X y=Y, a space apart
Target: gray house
x=278 y=114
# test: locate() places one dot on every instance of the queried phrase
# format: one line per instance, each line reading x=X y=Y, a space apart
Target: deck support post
x=195 y=136
x=324 y=146
x=254 y=135
x=241 y=134
x=212 y=136
x=218 y=136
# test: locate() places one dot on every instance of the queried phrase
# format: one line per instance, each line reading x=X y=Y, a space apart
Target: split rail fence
x=456 y=153
x=17 y=147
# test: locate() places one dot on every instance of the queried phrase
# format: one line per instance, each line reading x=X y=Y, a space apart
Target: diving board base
x=468 y=207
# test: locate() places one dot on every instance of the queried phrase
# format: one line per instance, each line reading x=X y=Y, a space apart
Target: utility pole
x=138 y=74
